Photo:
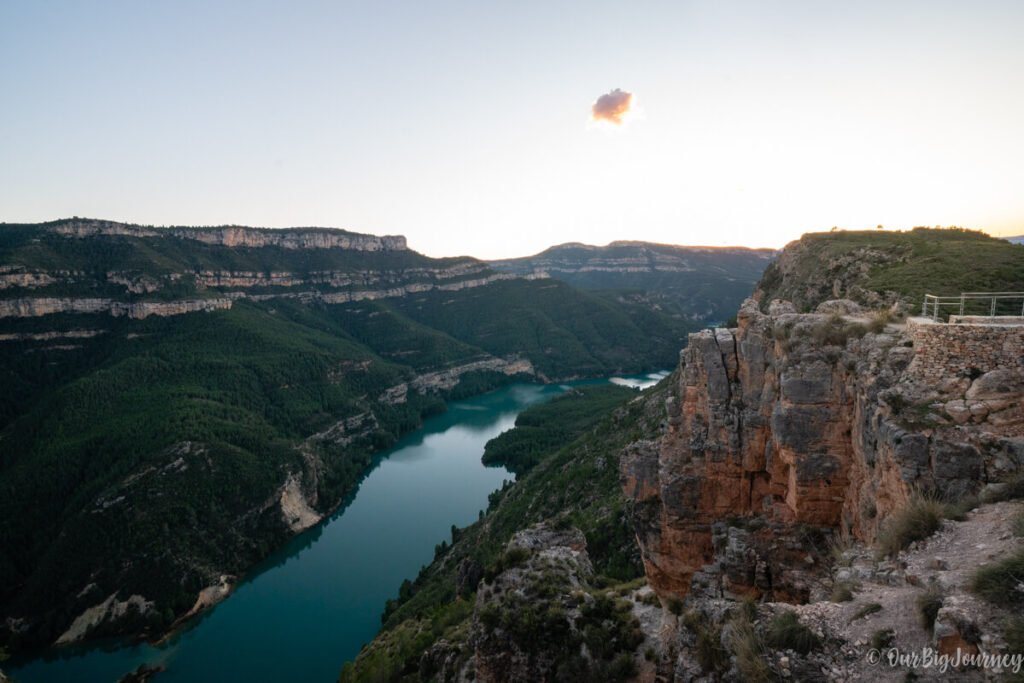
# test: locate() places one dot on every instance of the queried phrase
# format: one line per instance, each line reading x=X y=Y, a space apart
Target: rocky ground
x=947 y=561
x=868 y=635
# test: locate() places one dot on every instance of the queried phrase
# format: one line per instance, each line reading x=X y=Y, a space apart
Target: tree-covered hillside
x=149 y=456
x=573 y=481
x=700 y=283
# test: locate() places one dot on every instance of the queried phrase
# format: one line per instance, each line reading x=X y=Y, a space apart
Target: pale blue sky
x=464 y=125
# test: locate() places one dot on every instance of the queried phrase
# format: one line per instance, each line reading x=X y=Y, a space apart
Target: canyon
x=765 y=481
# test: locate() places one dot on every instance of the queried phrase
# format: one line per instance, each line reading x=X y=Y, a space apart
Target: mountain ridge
x=697 y=282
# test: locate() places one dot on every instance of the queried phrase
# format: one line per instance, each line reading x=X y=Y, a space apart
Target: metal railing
x=982 y=304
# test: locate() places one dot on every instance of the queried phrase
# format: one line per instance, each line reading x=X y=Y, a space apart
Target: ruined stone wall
x=944 y=350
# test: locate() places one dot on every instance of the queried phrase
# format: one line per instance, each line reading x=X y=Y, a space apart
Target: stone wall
x=945 y=350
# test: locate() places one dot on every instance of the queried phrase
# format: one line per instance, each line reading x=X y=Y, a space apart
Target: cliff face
x=237 y=236
x=90 y=266
x=792 y=425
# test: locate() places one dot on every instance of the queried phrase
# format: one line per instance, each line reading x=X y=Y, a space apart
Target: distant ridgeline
x=178 y=402
x=701 y=283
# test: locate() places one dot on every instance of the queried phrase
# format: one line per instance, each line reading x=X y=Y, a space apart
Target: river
x=310 y=607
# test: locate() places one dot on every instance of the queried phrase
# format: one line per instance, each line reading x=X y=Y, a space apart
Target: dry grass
x=865 y=610
x=918 y=520
x=785 y=632
x=879 y=319
x=1002 y=582
x=842 y=591
x=749 y=650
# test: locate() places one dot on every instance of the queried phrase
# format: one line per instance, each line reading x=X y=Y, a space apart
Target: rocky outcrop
x=296 y=510
x=109 y=609
x=39 y=306
x=237 y=236
x=794 y=425
x=807 y=272
x=539 y=559
x=442 y=380
x=210 y=596
x=19 y=278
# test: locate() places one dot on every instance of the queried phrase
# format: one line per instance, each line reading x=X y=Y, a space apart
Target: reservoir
x=311 y=606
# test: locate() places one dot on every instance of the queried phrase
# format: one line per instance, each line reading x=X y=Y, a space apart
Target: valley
x=192 y=440
x=180 y=402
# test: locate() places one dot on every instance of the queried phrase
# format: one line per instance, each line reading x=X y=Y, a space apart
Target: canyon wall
x=796 y=425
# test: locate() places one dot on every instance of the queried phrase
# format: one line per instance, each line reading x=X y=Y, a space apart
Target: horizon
x=512 y=257
x=501 y=131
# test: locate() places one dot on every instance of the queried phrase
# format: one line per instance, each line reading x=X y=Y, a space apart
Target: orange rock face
x=787 y=428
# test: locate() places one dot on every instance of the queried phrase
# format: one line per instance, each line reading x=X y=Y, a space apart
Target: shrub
x=785 y=632
x=1017 y=524
x=879 y=319
x=929 y=602
x=918 y=520
x=710 y=654
x=882 y=638
x=836 y=553
x=748 y=649
x=1013 y=489
x=842 y=591
x=1014 y=634
x=513 y=557
x=866 y=609
x=1002 y=582
x=675 y=606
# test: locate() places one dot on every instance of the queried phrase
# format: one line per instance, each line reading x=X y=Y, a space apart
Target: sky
x=470 y=127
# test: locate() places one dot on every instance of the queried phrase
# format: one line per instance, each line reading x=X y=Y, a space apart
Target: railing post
x=992 y=311
x=961 y=303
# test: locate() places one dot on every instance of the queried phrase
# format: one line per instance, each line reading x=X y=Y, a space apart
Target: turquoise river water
x=312 y=605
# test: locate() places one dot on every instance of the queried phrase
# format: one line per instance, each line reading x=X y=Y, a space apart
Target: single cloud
x=612 y=106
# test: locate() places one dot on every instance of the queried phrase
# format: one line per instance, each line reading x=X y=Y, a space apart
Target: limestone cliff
x=798 y=422
x=83 y=266
x=238 y=236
